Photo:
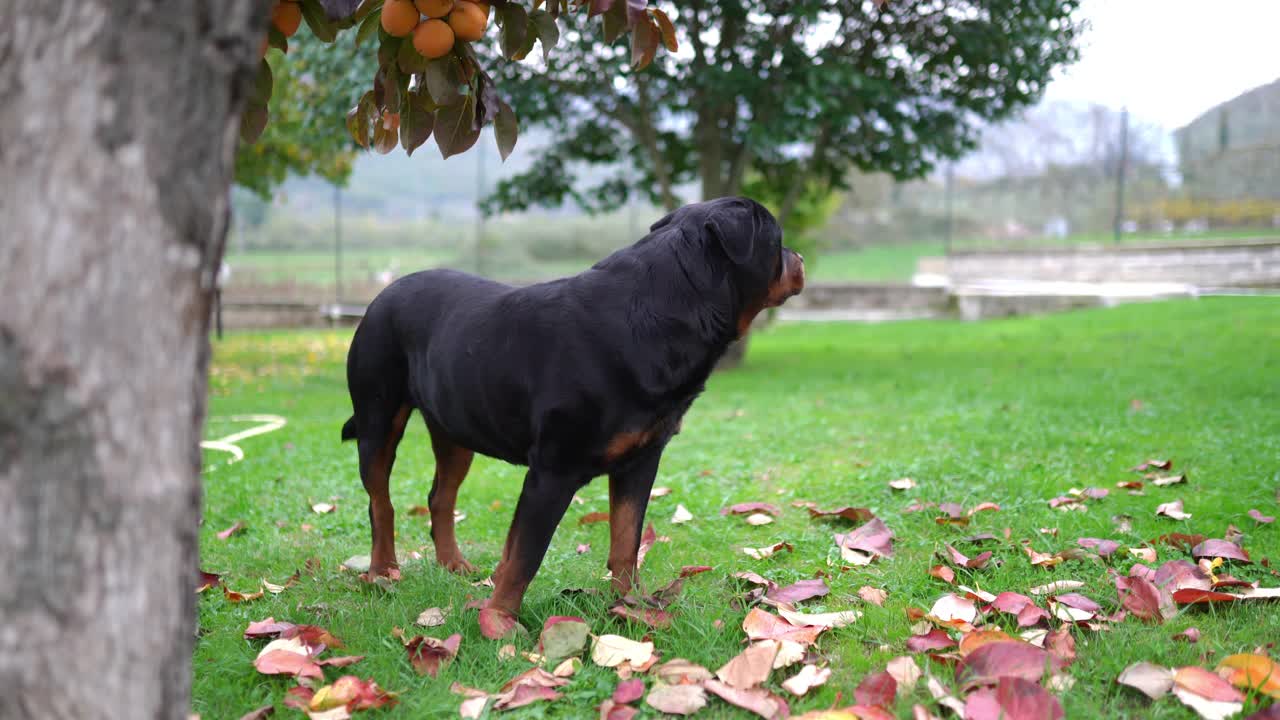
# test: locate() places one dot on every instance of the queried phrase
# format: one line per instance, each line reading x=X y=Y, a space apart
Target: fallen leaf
x=323 y=508
x=1146 y=554
x=428 y=654
x=1040 y=559
x=584 y=548
x=944 y=697
x=799 y=591
x=954 y=607
x=751 y=508
x=1168 y=480
x=357 y=563
x=876 y=689
x=757 y=700
x=984 y=507
x=790 y=652
x=647 y=539
x=236 y=528
x=1055 y=586
x=1022 y=699
x=1194 y=596
x=1220 y=549
x=207 y=580
x=823 y=621
x=809 y=677
x=431 y=617
x=288 y=657
x=682 y=515
x=1205 y=684
x=691 y=570
x=1205 y=708
x=1261 y=519
x=419 y=510
x=962 y=560
x=563 y=637
x=239 y=597
x=1143 y=600
x=1152 y=465
x=905 y=671
x=268 y=628
x=652 y=617
x=1151 y=680
x=263 y=712
x=875 y=596
x=611 y=710
x=852 y=514
x=935 y=639
x=628 y=691
x=758 y=519
x=1172 y=510
x=762 y=625
x=873 y=537
x=1012 y=658
x=971 y=641
x=1256 y=673
x=594 y=517
x=1061 y=647
x=1021 y=606
x=751 y=667
x=659 y=492
x=1190 y=635
x=680 y=672
x=615 y=650
x=1104 y=548
x=684 y=699
x=943 y=573
x=767 y=551
x=905 y=483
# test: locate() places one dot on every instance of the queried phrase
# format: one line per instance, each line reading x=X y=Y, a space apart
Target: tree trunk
x=117 y=134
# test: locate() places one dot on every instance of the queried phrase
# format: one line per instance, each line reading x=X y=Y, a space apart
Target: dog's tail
x=349 y=429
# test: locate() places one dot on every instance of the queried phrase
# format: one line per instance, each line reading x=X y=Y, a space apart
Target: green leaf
x=314 y=14
x=515 y=28
x=455 y=129
x=505 y=130
x=358 y=120
x=564 y=639
x=547 y=30
x=262 y=85
x=416 y=120
x=410 y=60
x=389 y=50
x=368 y=27
x=444 y=77
x=252 y=123
x=389 y=79
x=276 y=39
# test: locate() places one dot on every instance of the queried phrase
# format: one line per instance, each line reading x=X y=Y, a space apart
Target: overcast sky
x=1170 y=60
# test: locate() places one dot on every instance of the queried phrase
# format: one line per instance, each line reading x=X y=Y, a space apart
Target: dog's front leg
x=542 y=504
x=629 y=489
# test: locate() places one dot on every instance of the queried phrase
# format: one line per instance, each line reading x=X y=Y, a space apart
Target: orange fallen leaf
x=1251 y=672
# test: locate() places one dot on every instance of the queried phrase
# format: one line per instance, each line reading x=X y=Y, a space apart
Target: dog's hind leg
x=378 y=438
x=452 y=464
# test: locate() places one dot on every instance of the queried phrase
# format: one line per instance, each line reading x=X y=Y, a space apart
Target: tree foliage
x=793 y=91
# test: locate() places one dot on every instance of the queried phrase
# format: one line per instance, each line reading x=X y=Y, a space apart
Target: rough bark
x=117 y=133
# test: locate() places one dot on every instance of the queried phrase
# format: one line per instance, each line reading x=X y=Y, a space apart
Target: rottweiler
x=576 y=378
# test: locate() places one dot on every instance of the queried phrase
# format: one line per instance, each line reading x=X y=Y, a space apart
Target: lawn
x=1014 y=412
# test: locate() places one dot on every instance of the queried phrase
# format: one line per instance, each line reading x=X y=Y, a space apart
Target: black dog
x=576 y=378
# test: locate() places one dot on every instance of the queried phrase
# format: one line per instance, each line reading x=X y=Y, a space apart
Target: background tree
x=793 y=94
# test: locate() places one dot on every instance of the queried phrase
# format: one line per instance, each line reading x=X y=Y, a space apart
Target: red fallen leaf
x=1271 y=712
x=983 y=705
x=762 y=625
x=984 y=507
x=428 y=654
x=263 y=712
x=1027 y=612
x=1179 y=574
x=1095 y=493
x=1021 y=699
x=1142 y=599
x=751 y=507
x=757 y=700
x=208 y=580
x=1220 y=549
x=1152 y=465
x=312 y=635
x=1206 y=684
x=609 y=710
x=284 y=662
x=852 y=514
x=951 y=510
x=1062 y=500
x=962 y=560
x=584 y=548
x=299 y=698
x=1190 y=635
x=340 y=661
x=656 y=618
x=876 y=689
x=1130 y=484
x=628 y=691
x=496 y=624
x=918 y=506
x=522 y=695
x=691 y=570
x=1260 y=518
x=873 y=537
x=239 y=597
x=1078 y=601
x=996 y=660
x=268 y=628
x=1172 y=510
x=751 y=667
x=861 y=712
x=1041 y=559
x=236 y=527
x=798 y=592
x=1061 y=647
x=419 y=510
x=943 y=573
x=1104 y=548
x=935 y=639
x=593 y=517
x=1181 y=541
x=647 y=539
x=1195 y=596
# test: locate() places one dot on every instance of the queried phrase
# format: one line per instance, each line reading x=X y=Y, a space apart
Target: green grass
x=1012 y=411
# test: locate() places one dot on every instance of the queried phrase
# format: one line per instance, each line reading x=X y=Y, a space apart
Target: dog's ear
x=671 y=216
x=735 y=229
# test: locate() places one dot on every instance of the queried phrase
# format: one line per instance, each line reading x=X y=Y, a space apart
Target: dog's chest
x=657 y=430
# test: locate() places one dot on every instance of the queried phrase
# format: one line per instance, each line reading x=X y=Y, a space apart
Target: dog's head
x=739 y=238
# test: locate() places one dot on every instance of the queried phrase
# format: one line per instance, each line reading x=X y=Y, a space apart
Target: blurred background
x=1149 y=166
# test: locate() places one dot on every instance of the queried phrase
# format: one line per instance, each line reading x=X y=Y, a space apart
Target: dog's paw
x=458 y=565
x=391 y=574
